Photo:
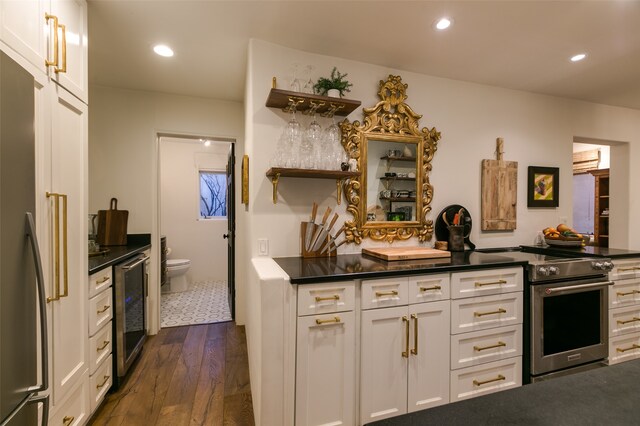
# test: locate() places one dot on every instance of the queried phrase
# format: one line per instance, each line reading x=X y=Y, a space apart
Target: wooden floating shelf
x=283 y=99
x=275 y=173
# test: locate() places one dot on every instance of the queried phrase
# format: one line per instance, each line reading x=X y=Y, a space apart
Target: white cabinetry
x=624 y=311
x=404 y=346
x=325 y=356
x=486 y=331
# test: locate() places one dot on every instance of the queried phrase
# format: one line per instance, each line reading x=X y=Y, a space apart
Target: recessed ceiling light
x=578 y=57
x=443 y=23
x=163 y=50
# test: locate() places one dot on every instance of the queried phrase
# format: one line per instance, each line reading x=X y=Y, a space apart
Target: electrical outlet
x=263 y=247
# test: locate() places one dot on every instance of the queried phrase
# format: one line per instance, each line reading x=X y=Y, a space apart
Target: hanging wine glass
x=293 y=137
x=308 y=83
x=310 y=149
x=294 y=86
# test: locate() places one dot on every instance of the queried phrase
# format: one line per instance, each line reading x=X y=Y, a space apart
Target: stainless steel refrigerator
x=23 y=330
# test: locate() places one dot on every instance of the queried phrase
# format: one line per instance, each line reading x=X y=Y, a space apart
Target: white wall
x=189 y=236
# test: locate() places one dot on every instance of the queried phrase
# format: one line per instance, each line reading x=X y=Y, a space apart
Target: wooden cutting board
x=499 y=193
x=406 y=253
x=112 y=225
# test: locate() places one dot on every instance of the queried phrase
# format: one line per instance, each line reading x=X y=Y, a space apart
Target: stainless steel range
x=566 y=314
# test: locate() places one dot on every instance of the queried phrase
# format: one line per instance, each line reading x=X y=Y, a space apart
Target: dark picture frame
x=543 y=187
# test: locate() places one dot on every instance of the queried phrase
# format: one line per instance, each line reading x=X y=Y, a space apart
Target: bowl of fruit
x=562 y=235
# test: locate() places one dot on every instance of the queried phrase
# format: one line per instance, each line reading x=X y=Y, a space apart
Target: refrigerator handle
x=45 y=406
x=42 y=302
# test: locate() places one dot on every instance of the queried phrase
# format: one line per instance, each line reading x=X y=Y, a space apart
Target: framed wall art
x=543 y=187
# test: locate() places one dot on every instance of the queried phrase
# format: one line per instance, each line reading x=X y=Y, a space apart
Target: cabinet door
x=429 y=355
x=325 y=374
x=23 y=28
x=69 y=177
x=383 y=366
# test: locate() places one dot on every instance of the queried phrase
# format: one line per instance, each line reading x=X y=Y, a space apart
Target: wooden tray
x=406 y=253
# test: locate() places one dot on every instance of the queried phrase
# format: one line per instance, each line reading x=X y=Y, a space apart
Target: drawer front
x=624 y=320
x=485 y=282
x=326 y=298
x=624 y=293
x=486 y=378
x=100 y=382
x=100 y=281
x=480 y=313
x=624 y=348
x=624 y=269
x=479 y=347
x=100 y=347
x=429 y=288
x=100 y=311
x=74 y=411
x=385 y=293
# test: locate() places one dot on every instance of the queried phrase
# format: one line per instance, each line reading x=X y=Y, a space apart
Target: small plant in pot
x=335 y=86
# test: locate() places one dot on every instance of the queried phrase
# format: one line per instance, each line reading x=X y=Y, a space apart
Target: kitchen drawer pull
x=414 y=351
x=484 y=348
x=322 y=299
x=481 y=314
x=633 y=268
x=54 y=62
x=105 y=343
x=104 y=382
x=497 y=379
x=634 y=319
x=405 y=353
x=634 y=346
x=386 y=293
x=499 y=282
x=335 y=320
x=103 y=280
x=105 y=308
x=67 y=420
x=434 y=288
x=627 y=293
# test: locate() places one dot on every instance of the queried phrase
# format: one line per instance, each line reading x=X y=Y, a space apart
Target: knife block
x=317 y=229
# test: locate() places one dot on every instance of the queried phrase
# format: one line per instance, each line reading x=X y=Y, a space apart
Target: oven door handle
x=577 y=287
x=136 y=263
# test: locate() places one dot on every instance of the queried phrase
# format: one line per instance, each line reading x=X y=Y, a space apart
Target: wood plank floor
x=191 y=375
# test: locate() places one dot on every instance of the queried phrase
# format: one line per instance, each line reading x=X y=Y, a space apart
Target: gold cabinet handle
x=499 y=311
x=105 y=343
x=633 y=268
x=334 y=320
x=405 y=353
x=65 y=233
x=497 y=379
x=63 y=69
x=634 y=319
x=103 y=280
x=634 y=346
x=67 y=420
x=386 y=293
x=499 y=282
x=321 y=299
x=105 y=308
x=434 y=288
x=56 y=242
x=414 y=351
x=47 y=62
x=484 y=348
x=104 y=382
x=627 y=293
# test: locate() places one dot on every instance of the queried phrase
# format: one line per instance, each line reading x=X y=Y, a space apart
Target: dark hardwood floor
x=192 y=375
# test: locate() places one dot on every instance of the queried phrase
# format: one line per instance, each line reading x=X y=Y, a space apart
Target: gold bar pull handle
x=54 y=62
x=634 y=346
x=103 y=280
x=65 y=246
x=322 y=299
x=634 y=319
x=481 y=284
x=484 y=348
x=627 y=293
x=105 y=308
x=405 y=353
x=67 y=420
x=104 y=382
x=334 y=320
x=386 y=293
x=481 y=314
x=432 y=288
x=497 y=379
x=56 y=247
x=105 y=343
x=414 y=351
x=633 y=268
x=63 y=69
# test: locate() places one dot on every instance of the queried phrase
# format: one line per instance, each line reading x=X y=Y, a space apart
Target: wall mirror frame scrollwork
x=390 y=120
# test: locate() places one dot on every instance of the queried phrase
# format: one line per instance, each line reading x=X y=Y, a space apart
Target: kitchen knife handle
x=314 y=212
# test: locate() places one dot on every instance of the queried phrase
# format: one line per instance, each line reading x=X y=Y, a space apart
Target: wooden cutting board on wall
x=112 y=225
x=499 y=192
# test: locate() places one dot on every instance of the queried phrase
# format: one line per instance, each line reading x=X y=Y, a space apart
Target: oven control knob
x=554 y=270
x=544 y=271
x=608 y=266
x=600 y=266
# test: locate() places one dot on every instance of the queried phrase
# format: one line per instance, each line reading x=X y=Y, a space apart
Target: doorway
x=195 y=214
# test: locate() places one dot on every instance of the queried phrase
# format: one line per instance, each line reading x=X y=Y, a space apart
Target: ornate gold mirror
x=391 y=198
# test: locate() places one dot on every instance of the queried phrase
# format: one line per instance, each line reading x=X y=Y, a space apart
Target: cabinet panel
x=100 y=281
x=326 y=298
x=23 y=28
x=385 y=293
x=624 y=320
x=100 y=382
x=624 y=293
x=624 y=348
x=100 y=311
x=478 y=347
x=486 y=378
x=625 y=269
x=428 y=378
x=429 y=288
x=74 y=410
x=325 y=375
x=485 y=282
x=383 y=383
x=99 y=347
x=481 y=313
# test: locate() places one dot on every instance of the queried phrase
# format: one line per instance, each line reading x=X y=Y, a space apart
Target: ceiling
x=523 y=45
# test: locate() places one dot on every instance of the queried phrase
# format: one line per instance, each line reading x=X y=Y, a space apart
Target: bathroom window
x=213 y=194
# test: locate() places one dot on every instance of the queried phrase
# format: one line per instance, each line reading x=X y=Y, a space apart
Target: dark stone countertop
x=136 y=243
x=587 y=251
x=604 y=396
x=357 y=266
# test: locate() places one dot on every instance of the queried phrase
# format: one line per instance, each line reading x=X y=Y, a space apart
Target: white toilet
x=177 y=274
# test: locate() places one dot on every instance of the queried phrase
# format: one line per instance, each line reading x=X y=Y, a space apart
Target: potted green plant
x=335 y=86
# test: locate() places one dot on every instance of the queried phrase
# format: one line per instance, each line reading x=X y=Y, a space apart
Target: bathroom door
x=231 y=231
